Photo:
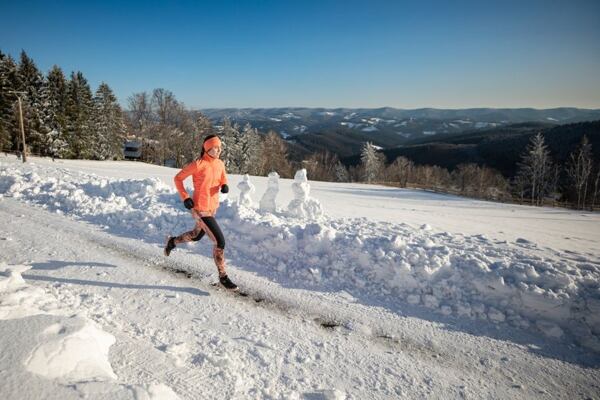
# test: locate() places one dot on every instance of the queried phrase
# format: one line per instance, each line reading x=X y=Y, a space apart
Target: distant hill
x=344 y=130
x=498 y=148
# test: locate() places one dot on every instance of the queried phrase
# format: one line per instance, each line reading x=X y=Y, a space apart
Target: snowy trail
x=203 y=343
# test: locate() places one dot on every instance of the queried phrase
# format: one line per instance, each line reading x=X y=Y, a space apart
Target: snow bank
x=469 y=276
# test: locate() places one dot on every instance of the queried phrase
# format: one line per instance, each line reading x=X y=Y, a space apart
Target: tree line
x=538 y=181
x=64 y=119
x=170 y=134
x=61 y=117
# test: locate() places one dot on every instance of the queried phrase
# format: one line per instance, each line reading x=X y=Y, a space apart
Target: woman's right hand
x=188 y=203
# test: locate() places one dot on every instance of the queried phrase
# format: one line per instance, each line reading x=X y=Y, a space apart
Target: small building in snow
x=132 y=150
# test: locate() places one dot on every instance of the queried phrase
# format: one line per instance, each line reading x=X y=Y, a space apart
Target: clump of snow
x=303 y=206
x=246 y=189
x=154 y=392
x=267 y=202
x=73 y=352
x=20 y=300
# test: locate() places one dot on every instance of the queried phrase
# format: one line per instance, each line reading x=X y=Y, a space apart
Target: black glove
x=188 y=203
x=225 y=189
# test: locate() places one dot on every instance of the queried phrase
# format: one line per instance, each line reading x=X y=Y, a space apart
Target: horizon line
x=400 y=109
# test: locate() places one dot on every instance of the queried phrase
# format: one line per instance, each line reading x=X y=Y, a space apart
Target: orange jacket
x=208 y=175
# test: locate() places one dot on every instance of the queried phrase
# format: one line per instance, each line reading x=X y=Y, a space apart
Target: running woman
x=209 y=177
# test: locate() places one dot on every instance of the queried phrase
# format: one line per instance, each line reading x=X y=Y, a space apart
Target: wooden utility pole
x=24 y=153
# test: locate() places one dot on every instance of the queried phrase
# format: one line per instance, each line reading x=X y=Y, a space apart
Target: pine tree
x=109 y=126
x=535 y=168
x=341 y=173
x=31 y=82
x=250 y=150
x=372 y=162
x=8 y=123
x=54 y=94
x=79 y=117
x=231 y=138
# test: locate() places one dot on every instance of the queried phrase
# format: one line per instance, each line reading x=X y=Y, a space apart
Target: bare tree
x=400 y=170
x=519 y=187
x=464 y=178
x=579 y=168
x=596 y=182
x=275 y=151
x=322 y=166
x=140 y=112
x=166 y=109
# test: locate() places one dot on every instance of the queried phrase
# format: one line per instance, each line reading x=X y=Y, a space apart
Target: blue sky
x=444 y=54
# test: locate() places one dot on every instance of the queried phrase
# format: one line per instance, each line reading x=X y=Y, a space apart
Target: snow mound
x=73 y=352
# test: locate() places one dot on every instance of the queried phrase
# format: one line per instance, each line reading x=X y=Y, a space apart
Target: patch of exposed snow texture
x=290 y=116
x=301 y=128
x=370 y=129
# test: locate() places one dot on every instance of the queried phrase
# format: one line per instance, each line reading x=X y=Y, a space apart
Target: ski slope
x=391 y=294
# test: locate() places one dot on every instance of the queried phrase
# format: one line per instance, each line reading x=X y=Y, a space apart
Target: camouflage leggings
x=207 y=224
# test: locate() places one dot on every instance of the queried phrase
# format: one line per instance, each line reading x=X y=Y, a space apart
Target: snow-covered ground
x=391 y=293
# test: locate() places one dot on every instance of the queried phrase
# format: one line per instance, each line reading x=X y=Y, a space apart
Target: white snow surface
x=425 y=294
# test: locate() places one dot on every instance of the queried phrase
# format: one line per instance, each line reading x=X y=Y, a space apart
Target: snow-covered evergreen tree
x=535 y=168
x=341 y=173
x=372 y=162
x=109 y=126
x=228 y=137
x=79 y=117
x=9 y=81
x=54 y=97
x=242 y=148
x=31 y=82
x=250 y=150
